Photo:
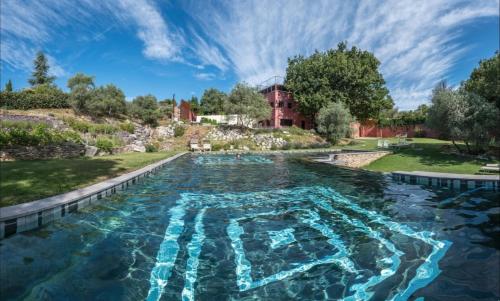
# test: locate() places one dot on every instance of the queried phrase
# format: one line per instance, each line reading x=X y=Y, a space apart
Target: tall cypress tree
x=40 y=75
x=8 y=86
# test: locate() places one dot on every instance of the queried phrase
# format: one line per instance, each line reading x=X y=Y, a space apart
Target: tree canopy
x=8 y=86
x=338 y=75
x=212 y=101
x=81 y=91
x=40 y=74
x=247 y=103
x=462 y=116
x=107 y=100
x=146 y=109
x=485 y=80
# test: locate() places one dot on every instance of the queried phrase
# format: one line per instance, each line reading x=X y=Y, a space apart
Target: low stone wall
x=357 y=159
x=65 y=150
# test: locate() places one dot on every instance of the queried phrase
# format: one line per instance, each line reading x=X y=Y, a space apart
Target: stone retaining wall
x=65 y=150
x=357 y=159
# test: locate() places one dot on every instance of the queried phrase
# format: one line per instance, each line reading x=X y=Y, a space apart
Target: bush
x=151 y=148
x=208 y=121
x=179 y=131
x=89 y=127
x=127 y=127
x=38 y=135
x=420 y=133
x=104 y=144
x=40 y=97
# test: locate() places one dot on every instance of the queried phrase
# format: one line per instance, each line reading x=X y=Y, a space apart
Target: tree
x=248 y=104
x=460 y=115
x=485 y=80
x=338 y=75
x=447 y=112
x=107 y=100
x=212 y=102
x=195 y=106
x=40 y=75
x=8 y=86
x=81 y=91
x=146 y=109
x=334 y=121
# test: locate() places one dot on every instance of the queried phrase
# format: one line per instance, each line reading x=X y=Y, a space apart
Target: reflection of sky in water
x=293 y=230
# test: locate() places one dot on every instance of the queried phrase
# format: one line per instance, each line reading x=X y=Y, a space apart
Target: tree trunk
x=456 y=146
x=468 y=147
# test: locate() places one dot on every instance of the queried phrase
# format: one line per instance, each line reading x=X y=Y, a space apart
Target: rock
x=90 y=151
x=138 y=148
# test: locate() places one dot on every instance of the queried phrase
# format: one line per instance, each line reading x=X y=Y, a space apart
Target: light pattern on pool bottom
x=275 y=236
x=231 y=159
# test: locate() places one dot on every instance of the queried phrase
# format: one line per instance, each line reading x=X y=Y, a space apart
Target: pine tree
x=8 y=86
x=40 y=75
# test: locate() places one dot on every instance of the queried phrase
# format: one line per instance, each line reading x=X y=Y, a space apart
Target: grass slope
x=24 y=181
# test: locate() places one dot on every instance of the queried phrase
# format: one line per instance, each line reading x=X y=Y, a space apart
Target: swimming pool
x=269 y=227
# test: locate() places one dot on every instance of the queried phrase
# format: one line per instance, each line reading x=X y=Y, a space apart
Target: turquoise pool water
x=263 y=228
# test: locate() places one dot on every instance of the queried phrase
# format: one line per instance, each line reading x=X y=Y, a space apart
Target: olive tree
x=334 y=121
x=248 y=104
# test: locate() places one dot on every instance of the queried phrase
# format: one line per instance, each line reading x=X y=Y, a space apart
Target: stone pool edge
x=27 y=216
x=450 y=180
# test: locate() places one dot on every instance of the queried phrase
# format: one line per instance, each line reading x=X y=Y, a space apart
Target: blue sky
x=183 y=47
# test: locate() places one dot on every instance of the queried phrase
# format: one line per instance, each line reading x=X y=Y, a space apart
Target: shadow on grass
x=432 y=155
x=24 y=181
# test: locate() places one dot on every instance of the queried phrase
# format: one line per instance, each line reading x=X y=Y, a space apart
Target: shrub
x=127 y=127
x=208 y=121
x=89 y=127
x=151 y=148
x=39 y=97
x=179 y=131
x=420 y=133
x=38 y=135
x=104 y=144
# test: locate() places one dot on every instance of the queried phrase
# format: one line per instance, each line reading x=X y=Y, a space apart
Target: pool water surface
x=275 y=227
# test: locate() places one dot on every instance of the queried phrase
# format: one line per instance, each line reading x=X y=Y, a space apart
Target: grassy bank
x=424 y=154
x=24 y=181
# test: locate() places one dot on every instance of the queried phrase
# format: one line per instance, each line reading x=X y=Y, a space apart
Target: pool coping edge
x=27 y=216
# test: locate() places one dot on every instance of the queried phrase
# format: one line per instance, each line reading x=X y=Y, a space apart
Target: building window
x=272 y=104
x=289 y=104
x=281 y=104
x=286 y=122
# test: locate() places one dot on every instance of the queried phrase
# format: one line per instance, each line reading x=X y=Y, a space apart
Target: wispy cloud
x=28 y=26
x=205 y=76
x=416 y=42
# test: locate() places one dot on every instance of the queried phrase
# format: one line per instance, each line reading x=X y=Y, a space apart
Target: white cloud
x=29 y=26
x=416 y=42
x=205 y=76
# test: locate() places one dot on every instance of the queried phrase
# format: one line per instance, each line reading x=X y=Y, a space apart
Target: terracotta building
x=284 y=109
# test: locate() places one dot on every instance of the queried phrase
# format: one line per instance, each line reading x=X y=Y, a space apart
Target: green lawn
x=424 y=155
x=24 y=181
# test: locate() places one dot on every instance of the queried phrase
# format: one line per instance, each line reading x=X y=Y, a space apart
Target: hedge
x=38 y=98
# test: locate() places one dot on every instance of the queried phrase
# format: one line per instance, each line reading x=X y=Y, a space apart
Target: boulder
x=138 y=148
x=90 y=151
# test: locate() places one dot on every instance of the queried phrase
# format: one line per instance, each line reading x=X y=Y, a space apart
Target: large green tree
x=485 y=80
x=248 y=104
x=146 y=109
x=107 y=100
x=40 y=73
x=195 y=105
x=212 y=101
x=462 y=116
x=343 y=75
x=81 y=91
